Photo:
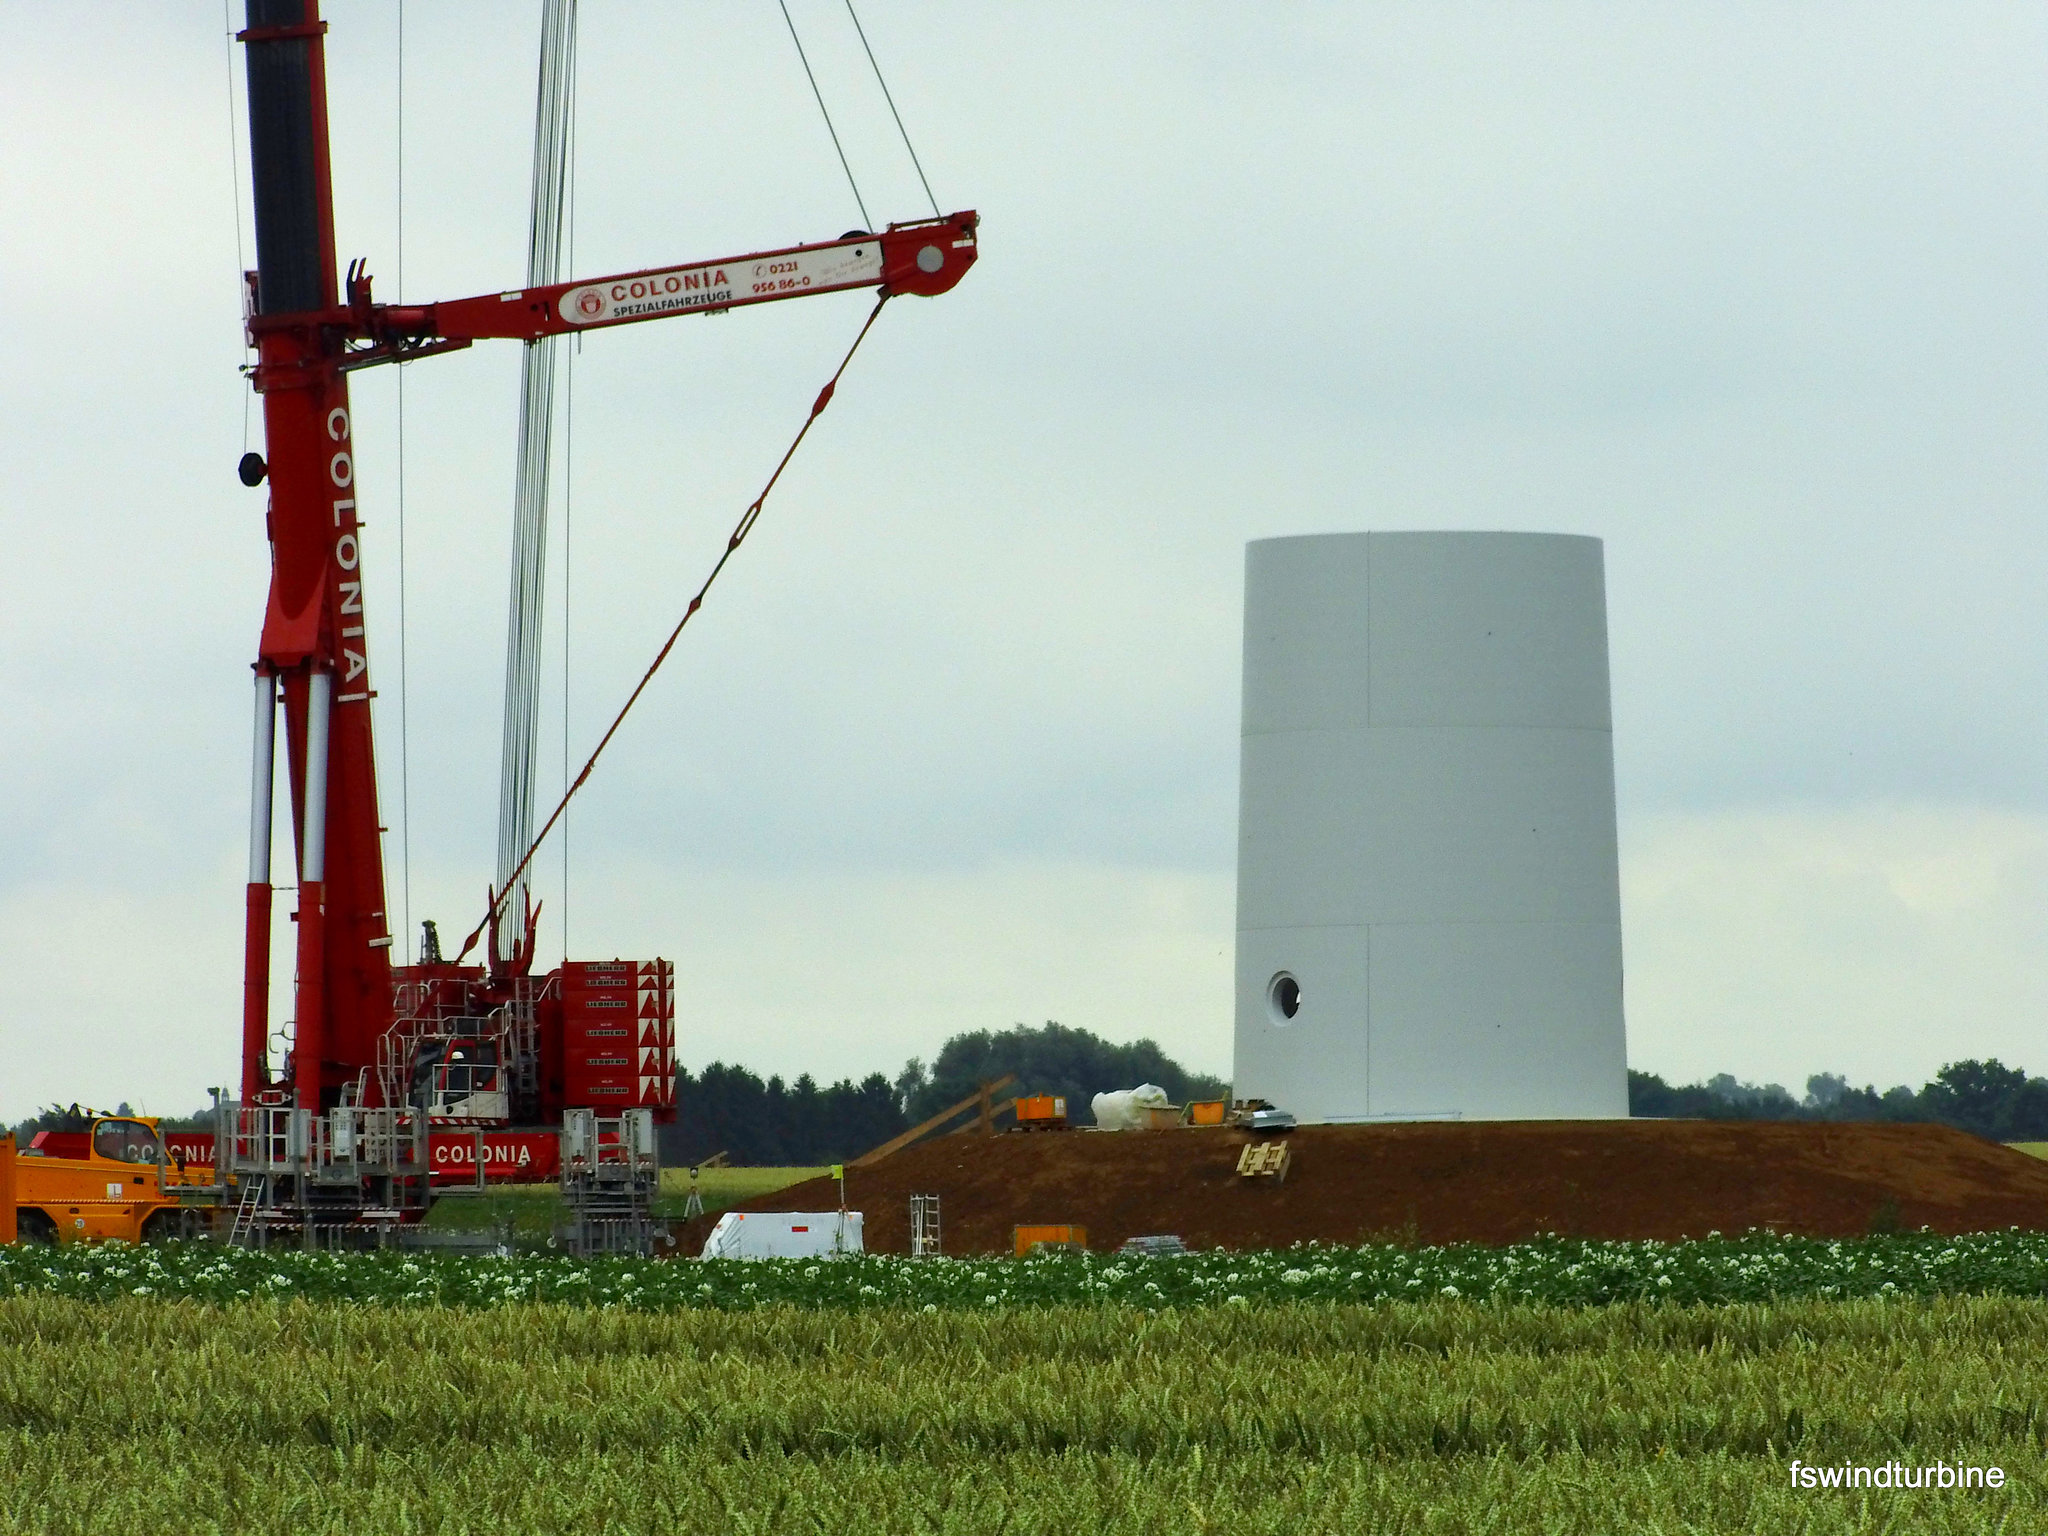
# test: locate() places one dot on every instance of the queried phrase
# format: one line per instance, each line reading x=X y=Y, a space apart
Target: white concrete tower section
x=1428 y=893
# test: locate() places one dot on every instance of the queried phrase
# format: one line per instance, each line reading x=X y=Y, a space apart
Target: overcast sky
x=1753 y=293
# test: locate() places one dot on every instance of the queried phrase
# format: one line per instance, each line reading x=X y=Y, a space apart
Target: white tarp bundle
x=1125 y=1109
x=784 y=1235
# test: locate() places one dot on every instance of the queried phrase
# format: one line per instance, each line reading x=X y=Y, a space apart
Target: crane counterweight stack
x=379 y=1053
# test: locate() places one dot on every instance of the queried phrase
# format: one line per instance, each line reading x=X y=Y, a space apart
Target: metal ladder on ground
x=243 y=1227
x=924 y=1226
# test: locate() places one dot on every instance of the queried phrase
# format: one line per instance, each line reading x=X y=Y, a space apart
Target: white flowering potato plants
x=1559 y=1271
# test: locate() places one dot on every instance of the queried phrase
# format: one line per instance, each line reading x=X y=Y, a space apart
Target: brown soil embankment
x=1495 y=1182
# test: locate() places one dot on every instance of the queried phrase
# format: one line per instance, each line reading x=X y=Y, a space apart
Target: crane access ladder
x=243 y=1227
x=611 y=1172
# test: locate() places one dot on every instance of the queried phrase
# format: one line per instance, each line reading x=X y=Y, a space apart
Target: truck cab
x=105 y=1177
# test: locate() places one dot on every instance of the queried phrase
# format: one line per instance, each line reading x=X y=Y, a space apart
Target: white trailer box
x=784 y=1235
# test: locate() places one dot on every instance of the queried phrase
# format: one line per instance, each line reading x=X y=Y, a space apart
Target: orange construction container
x=1041 y=1111
x=1030 y=1238
x=1206 y=1112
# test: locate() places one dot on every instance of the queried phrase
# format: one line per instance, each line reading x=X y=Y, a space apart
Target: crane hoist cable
x=404 y=690
x=569 y=356
x=859 y=201
x=738 y=536
x=519 y=749
x=889 y=97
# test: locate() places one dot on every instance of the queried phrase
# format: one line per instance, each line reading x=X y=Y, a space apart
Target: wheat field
x=1447 y=1416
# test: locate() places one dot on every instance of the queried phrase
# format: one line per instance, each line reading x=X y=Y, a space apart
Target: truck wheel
x=34 y=1226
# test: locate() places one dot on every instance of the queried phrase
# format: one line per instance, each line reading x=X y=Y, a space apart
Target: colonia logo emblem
x=652 y=293
x=510 y=1157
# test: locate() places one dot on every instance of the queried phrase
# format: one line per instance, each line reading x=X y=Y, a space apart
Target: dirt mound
x=1494 y=1182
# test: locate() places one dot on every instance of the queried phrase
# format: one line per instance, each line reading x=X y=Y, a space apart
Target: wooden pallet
x=1265 y=1160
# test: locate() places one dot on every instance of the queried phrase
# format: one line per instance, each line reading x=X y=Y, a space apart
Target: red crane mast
x=314 y=647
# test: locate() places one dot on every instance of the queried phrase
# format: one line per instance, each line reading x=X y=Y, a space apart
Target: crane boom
x=926 y=257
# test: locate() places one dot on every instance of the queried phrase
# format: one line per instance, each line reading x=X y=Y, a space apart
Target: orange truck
x=107 y=1178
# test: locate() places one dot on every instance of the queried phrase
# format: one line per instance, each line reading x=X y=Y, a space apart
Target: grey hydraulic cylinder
x=319 y=697
x=261 y=772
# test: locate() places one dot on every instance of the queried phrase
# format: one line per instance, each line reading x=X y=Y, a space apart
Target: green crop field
x=533 y=1211
x=146 y=1415
x=721 y=1187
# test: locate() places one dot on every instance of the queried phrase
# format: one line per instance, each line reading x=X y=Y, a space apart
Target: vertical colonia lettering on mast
x=348 y=555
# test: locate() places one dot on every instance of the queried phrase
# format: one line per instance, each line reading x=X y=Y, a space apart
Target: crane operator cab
x=460 y=1078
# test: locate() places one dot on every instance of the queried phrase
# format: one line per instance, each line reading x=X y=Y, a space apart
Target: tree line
x=728 y=1109
x=769 y=1122
x=1985 y=1098
x=1050 y=1059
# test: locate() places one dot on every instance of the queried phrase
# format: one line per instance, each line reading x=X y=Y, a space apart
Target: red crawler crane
x=367 y=1033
